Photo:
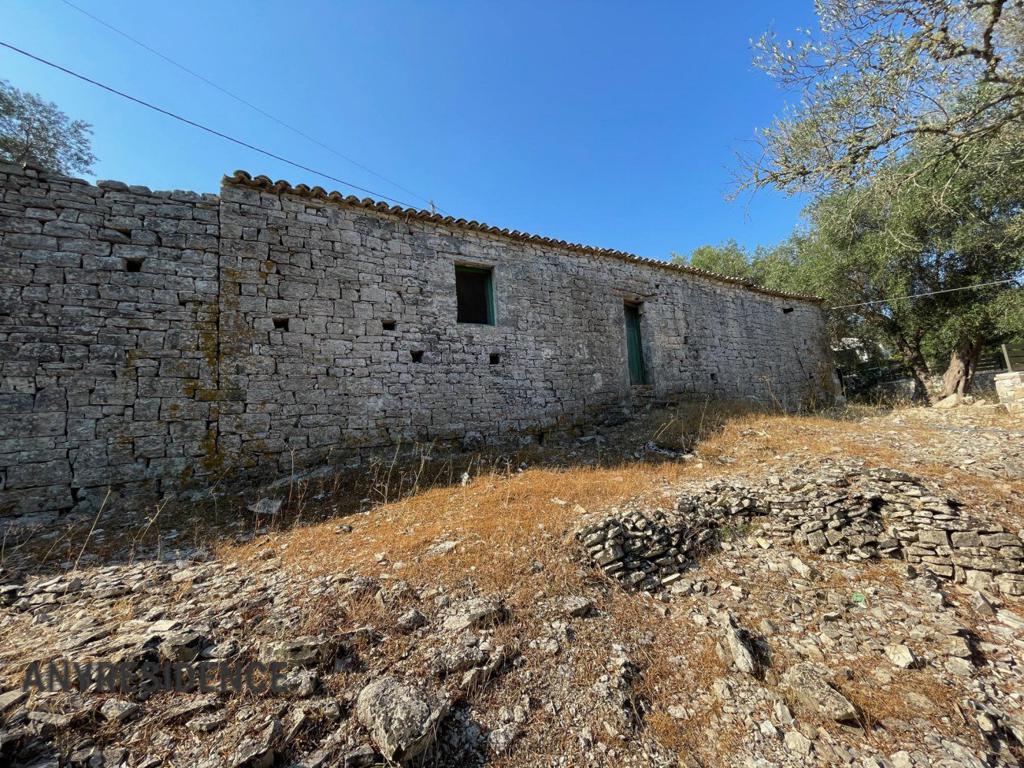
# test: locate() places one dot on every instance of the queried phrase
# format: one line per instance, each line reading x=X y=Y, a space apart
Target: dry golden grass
x=902 y=698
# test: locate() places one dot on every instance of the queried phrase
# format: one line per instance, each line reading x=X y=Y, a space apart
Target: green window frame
x=474 y=294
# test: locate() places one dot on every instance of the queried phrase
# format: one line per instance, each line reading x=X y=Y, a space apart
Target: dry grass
x=906 y=695
x=667 y=682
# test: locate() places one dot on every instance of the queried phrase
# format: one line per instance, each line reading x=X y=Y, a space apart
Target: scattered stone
x=301 y=682
x=265 y=507
x=576 y=606
x=803 y=569
x=809 y=690
x=305 y=651
x=477 y=677
x=410 y=620
x=797 y=743
x=11 y=699
x=442 y=548
x=901 y=656
x=181 y=646
x=56 y=720
x=120 y=711
x=360 y=756
x=257 y=752
x=206 y=723
x=982 y=605
x=401 y=718
x=478 y=612
x=738 y=645
x=502 y=737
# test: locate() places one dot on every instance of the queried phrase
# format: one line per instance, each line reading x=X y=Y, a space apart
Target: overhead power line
x=249 y=104
x=202 y=127
x=929 y=293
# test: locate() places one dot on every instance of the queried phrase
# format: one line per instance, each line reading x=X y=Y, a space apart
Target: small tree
x=729 y=258
x=38 y=132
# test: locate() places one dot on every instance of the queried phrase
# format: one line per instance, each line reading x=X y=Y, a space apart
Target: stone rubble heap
x=643 y=550
x=840 y=513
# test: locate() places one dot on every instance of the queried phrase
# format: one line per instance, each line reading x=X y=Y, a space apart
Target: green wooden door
x=634 y=346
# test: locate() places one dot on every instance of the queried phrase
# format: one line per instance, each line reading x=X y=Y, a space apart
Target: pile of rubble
x=841 y=513
x=643 y=550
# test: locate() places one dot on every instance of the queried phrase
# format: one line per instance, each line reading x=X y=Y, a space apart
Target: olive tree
x=928 y=266
x=36 y=131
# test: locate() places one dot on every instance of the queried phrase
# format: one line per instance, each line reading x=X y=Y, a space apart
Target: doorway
x=634 y=345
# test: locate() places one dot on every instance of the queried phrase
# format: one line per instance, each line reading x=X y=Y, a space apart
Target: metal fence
x=861 y=380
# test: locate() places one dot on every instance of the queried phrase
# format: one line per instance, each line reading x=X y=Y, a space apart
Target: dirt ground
x=370 y=571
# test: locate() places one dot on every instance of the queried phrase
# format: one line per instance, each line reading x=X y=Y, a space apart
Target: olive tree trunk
x=910 y=351
x=959 y=376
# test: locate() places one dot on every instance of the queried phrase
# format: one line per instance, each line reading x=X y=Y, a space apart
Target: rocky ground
x=839 y=589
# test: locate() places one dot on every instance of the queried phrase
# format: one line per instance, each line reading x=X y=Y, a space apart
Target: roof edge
x=265 y=183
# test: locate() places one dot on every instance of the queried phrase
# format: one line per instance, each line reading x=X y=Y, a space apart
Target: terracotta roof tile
x=243 y=178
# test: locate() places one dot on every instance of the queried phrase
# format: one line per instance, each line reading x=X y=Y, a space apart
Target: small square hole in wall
x=280 y=323
x=388 y=325
x=417 y=356
x=133 y=265
x=495 y=358
x=786 y=310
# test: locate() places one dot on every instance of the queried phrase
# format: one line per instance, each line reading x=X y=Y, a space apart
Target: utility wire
x=250 y=105
x=929 y=293
x=202 y=127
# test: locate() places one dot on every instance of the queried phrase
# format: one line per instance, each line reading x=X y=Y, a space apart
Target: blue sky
x=610 y=124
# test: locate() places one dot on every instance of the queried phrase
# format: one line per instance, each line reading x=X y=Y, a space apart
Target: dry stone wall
x=840 y=513
x=155 y=341
x=107 y=313
x=1010 y=388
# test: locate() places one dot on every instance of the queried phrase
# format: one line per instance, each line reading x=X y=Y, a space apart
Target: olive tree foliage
x=775 y=267
x=949 y=228
x=975 y=235
x=879 y=77
x=36 y=131
x=729 y=258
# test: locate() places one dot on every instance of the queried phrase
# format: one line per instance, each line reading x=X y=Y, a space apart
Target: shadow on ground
x=182 y=529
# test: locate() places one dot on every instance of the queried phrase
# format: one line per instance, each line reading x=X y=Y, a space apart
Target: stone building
x=153 y=341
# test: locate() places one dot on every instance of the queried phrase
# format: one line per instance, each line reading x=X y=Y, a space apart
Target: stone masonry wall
x=152 y=341
x=1010 y=389
x=103 y=370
